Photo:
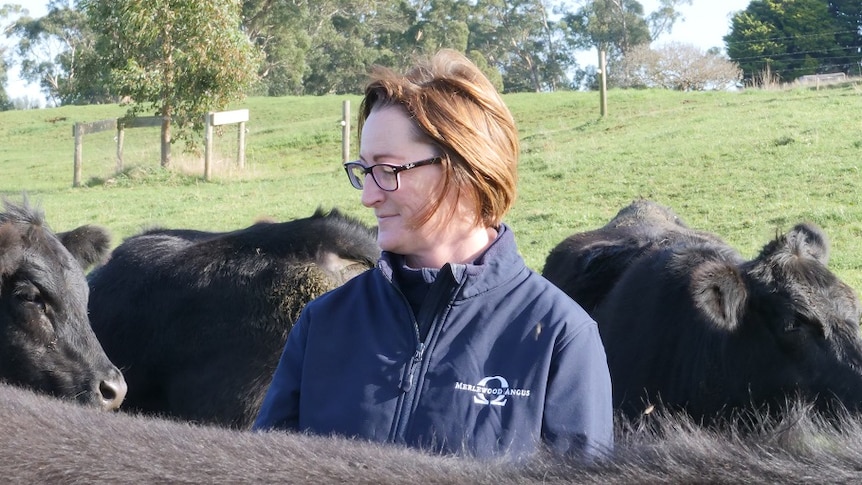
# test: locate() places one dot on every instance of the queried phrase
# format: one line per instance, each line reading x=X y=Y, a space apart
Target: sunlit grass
x=745 y=165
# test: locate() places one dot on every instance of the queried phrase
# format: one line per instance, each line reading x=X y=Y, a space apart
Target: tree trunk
x=166 y=138
x=167 y=87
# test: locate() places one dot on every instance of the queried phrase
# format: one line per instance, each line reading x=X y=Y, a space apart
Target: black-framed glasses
x=384 y=174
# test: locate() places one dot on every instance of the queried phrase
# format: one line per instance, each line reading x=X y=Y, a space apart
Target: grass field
x=745 y=165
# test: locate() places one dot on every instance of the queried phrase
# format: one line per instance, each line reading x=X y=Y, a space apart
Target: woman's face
x=390 y=136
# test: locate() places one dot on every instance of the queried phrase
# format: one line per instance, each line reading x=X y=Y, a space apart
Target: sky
x=705 y=23
x=15 y=87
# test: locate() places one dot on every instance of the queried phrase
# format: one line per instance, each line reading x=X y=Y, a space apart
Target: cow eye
x=29 y=294
x=801 y=322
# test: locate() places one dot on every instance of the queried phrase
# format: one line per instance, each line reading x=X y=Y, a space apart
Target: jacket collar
x=499 y=263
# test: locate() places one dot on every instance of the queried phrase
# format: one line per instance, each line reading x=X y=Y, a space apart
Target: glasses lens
x=356 y=174
x=385 y=176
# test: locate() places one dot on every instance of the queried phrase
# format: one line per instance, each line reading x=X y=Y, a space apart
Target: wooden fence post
x=345 y=131
x=240 y=142
x=79 y=145
x=603 y=85
x=208 y=146
x=120 y=134
x=217 y=118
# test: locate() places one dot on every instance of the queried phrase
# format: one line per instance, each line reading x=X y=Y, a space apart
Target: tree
x=439 y=24
x=350 y=36
x=610 y=26
x=54 y=50
x=522 y=41
x=180 y=58
x=848 y=21
x=682 y=67
x=618 y=26
x=790 y=38
x=279 y=30
x=5 y=102
x=662 y=20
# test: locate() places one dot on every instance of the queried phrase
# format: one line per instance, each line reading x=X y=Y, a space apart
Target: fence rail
x=120 y=124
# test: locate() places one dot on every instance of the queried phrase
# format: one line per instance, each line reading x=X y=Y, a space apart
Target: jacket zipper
x=407 y=382
x=408 y=393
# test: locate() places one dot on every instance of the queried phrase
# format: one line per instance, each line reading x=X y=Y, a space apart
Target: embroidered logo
x=492 y=391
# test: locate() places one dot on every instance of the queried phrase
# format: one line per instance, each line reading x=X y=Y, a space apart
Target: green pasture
x=746 y=165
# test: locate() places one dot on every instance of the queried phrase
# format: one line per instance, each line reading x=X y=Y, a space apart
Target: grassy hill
x=745 y=165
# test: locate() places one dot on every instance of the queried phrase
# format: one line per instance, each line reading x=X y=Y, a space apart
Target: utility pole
x=603 y=84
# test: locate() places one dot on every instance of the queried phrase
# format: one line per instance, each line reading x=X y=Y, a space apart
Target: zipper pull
x=407 y=384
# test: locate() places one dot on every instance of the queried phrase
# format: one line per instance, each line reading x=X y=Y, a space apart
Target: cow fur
x=49 y=441
x=689 y=323
x=604 y=253
x=197 y=320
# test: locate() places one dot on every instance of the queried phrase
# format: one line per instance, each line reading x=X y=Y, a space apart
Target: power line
x=790 y=38
x=780 y=55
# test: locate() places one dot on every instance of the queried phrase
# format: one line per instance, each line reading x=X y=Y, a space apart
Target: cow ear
x=89 y=245
x=10 y=249
x=808 y=241
x=718 y=291
x=804 y=241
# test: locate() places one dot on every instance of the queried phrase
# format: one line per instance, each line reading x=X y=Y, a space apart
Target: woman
x=451 y=344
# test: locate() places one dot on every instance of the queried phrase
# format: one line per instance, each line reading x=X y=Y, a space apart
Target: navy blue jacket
x=509 y=361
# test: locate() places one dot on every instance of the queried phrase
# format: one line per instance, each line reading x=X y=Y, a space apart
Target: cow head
x=791 y=274
x=46 y=342
x=802 y=316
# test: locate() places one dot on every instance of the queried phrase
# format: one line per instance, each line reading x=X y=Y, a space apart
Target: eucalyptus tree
x=347 y=36
x=664 y=17
x=279 y=29
x=5 y=12
x=610 y=26
x=55 y=51
x=176 y=58
x=521 y=39
x=439 y=24
x=618 y=26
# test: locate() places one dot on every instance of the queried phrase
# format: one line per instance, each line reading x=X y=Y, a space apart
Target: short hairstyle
x=455 y=106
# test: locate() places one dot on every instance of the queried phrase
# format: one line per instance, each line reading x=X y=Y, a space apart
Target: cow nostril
x=113 y=391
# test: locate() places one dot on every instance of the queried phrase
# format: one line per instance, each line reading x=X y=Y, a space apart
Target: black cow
x=688 y=322
x=46 y=342
x=197 y=320
x=48 y=441
x=603 y=254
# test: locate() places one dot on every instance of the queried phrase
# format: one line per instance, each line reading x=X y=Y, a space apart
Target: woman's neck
x=461 y=250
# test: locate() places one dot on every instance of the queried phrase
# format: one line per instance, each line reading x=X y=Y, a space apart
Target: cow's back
x=586 y=265
x=687 y=322
x=198 y=320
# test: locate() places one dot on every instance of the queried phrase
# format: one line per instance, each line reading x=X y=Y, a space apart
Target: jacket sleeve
x=578 y=416
x=280 y=408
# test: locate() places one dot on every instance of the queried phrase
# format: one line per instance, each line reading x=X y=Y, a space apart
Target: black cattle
x=198 y=320
x=46 y=342
x=587 y=264
x=48 y=441
x=688 y=322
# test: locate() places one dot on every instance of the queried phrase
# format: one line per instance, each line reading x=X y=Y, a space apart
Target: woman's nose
x=371 y=193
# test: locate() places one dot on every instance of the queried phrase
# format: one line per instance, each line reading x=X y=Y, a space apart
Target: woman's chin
x=388 y=244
